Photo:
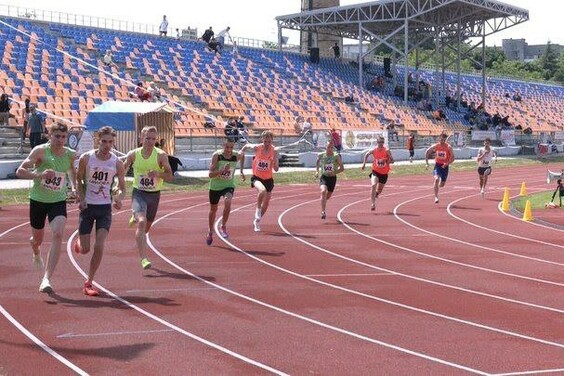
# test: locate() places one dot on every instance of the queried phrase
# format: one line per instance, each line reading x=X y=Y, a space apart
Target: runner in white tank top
x=95 y=175
x=485 y=157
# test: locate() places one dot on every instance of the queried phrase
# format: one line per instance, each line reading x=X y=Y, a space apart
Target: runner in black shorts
x=330 y=165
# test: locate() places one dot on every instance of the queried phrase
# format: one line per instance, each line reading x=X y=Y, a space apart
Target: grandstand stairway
x=290 y=160
x=10 y=144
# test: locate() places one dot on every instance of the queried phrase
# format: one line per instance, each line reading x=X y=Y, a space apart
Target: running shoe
x=45 y=286
x=256 y=224
x=258 y=214
x=209 y=238
x=223 y=232
x=76 y=247
x=323 y=215
x=146 y=264
x=132 y=221
x=482 y=193
x=89 y=290
x=37 y=261
x=373 y=207
x=436 y=200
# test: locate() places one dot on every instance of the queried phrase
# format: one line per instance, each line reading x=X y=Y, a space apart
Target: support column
x=406 y=65
x=360 y=56
x=435 y=88
x=484 y=63
x=458 y=67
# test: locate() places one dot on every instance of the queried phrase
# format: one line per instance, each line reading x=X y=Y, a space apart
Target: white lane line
x=119 y=333
x=350 y=275
x=450 y=239
x=143 y=291
x=39 y=343
x=295 y=315
x=497 y=231
x=537 y=372
x=532 y=223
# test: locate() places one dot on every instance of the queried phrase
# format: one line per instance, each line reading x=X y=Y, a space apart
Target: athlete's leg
x=373 y=190
x=324 y=197
x=226 y=208
x=101 y=235
x=36 y=239
x=261 y=194
x=141 y=234
x=57 y=230
x=211 y=216
x=265 y=203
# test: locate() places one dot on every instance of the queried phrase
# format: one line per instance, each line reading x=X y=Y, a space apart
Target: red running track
x=413 y=288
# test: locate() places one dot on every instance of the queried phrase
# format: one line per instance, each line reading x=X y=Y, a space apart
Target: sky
x=255 y=19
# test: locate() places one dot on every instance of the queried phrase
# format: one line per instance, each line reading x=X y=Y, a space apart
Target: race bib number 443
x=56 y=183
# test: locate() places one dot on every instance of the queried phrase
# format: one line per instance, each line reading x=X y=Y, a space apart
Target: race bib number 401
x=56 y=183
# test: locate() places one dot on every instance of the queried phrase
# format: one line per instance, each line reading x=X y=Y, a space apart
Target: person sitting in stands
x=143 y=93
x=213 y=46
x=517 y=97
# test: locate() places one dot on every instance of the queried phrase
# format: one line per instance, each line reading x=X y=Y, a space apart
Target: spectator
x=108 y=60
x=208 y=35
x=439 y=114
x=25 y=129
x=242 y=129
x=221 y=38
x=36 y=127
x=164 y=27
x=231 y=131
x=349 y=98
x=213 y=46
x=337 y=141
x=235 y=50
x=517 y=97
x=4 y=110
x=178 y=35
x=142 y=93
x=336 y=50
x=392 y=133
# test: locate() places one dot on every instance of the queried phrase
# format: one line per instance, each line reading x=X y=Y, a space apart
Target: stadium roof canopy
x=423 y=16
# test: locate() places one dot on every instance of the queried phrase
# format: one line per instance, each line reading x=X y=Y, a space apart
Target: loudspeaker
x=314 y=55
x=387 y=65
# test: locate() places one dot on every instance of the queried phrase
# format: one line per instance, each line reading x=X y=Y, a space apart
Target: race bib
x=485 y=162
x=263 y=165
x=100 y=177
x=227 y=172
x=381 y=163
x=55 y=184
x=441 y=154
x=328 y=167
x=146 y=183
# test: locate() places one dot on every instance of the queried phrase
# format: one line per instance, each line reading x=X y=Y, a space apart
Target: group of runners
x=98 y=183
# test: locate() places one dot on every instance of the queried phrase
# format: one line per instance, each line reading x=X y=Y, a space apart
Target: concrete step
x=13 y=156
x=9 y=149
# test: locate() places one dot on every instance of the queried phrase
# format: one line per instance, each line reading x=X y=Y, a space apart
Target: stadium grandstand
x=60 y=67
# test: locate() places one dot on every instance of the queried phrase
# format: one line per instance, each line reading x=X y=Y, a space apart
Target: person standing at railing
x=4 y=110
x=36 y=126
x=221 y=38
x=163 y=27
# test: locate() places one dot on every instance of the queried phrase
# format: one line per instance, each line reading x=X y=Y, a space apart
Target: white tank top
x=100 y=176
x=488 y=156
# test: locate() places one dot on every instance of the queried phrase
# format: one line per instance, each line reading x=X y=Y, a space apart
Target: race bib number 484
x=56 y=183
x=146 y=183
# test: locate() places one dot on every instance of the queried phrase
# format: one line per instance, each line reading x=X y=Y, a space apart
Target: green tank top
x=226 y=167
x=141 y=168
x=327 y=163
x=55 y=189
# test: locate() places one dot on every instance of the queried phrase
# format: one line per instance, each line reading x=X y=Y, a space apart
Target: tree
x=549 y=62
x=559 y=74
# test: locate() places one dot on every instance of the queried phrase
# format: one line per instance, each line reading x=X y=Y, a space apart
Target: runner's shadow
x=406 y=214
x=355 y=223
x=464 y=207
x=253 y=253
x=107 y=301
x=283 y=234
x=166 y=274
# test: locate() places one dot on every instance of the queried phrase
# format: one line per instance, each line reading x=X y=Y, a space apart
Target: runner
x=331 y=165
x=150 y=168
x=381 y=161
x=50 y=166
x=411 y=146
x=96 y=171
x=485 y=156
x=222 y=184
x=264 y=162
x=444 y=156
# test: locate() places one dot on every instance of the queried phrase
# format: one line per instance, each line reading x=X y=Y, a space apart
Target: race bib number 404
x=56 y=183
x=146 y=183
x=263 y=165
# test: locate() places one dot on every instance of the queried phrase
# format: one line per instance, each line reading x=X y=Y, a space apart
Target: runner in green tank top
x=50 y=166
x=330 y=165
x=150 y=168
x=222 y=184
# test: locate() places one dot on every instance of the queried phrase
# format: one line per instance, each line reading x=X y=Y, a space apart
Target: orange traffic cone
x=527 y=214
x=505 y=202
x=523 y=191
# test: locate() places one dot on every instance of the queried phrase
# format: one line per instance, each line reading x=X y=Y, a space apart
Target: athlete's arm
x=120 y=173
x=129 y=159
x=275 y=165
x=80 y=183
x=390 y=158
x=427 y=153
x=26 y=169
x=368 y=153
x=317 y=164
x=241 y=159
x=481 y=155
x=72 y=173
x=166 y=175
x=340 y=166
x=451 y=155
x=214 y=172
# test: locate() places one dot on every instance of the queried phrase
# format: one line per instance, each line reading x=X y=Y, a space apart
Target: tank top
x=262 y=164
x=328 y=163
x=226 y=167
x=141 y=168
x=55 y=189
x=380 y=161
x=488 y=156
x=442 y=153
x=100 y=176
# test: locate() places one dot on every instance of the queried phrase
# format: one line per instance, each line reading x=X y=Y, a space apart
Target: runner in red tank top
x=382 y=159
x=264 y=163
x=444 y=156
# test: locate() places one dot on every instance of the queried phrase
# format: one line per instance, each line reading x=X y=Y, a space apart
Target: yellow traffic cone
x=523 y=191
x=505 y=202
x=527 y=214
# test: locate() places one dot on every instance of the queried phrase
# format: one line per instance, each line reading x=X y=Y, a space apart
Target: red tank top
x=442 y=153
x=380 y=161
x=262 y=164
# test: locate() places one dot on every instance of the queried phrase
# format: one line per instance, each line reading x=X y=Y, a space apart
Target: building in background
x=518 y=49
